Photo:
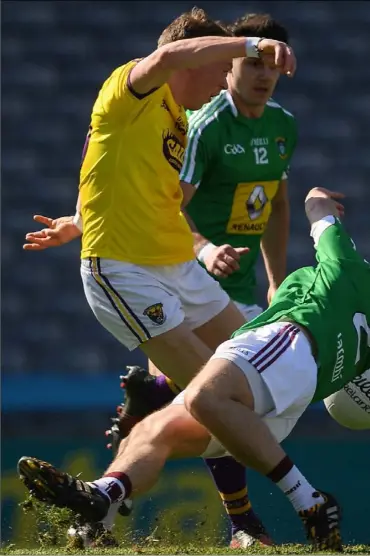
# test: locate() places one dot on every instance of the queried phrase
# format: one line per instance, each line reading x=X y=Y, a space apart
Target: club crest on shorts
x=155 y=313
x=281 y=145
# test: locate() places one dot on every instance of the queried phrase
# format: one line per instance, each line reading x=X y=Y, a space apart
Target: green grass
x=160 y=548
x=48 y=536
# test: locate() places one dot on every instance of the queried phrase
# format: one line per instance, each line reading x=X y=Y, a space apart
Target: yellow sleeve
x=118 y=98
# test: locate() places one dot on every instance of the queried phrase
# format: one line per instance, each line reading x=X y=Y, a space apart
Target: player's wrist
x=319 y=226
x=77 y=221
x=251 y=47
x=205 y=250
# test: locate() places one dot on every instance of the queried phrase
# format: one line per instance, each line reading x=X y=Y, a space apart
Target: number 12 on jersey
x=260 y=155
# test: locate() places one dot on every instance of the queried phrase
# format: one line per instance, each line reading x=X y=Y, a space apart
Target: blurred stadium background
x=59 y=367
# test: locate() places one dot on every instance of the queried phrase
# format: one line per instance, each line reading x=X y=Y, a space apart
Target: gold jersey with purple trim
x=129 y=183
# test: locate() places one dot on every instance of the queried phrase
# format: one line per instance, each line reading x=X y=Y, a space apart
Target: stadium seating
x=55 y=57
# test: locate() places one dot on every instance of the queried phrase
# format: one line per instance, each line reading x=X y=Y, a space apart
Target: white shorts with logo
x=281 y=371
x=136 y=303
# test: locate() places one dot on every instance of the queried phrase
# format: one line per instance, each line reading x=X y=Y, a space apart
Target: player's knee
x=199 y=400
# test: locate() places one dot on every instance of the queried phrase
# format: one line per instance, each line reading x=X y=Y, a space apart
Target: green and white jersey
x=236 y=164
x=332 y=301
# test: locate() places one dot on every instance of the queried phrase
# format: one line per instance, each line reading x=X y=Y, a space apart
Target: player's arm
x=219 y=260
x=275 y=239
x=323 y=210
x=156 y=69
x=58 y=231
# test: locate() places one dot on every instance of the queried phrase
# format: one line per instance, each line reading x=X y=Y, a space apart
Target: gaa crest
x=155 y=313
x=281 y=145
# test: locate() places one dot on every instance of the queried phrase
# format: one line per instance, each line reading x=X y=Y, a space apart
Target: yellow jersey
x=129 y=184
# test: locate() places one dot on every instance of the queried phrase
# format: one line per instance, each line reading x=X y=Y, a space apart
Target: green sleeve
x=197 y=152
x=332 y=242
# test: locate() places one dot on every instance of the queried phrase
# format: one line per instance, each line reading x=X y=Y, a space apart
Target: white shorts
x=248 y=311
x=136 y=303
x=281 y=371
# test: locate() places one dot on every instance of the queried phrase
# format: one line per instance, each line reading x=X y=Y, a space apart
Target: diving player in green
x=313 y=339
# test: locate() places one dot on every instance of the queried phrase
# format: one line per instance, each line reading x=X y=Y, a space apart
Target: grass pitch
x=160 y=548
x=49 y=537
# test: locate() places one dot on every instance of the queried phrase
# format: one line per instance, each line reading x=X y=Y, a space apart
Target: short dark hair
x=189 y=25
x=259 y=25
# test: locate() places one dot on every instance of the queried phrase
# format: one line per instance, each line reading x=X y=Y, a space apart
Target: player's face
x=206 y=82
x=254 y=80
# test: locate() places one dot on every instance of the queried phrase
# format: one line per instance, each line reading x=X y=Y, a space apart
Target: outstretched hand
x=57 y=232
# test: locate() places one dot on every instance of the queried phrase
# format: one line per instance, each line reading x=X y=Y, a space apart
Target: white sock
x=110 y=487
x=298 y=490
x=108 y=521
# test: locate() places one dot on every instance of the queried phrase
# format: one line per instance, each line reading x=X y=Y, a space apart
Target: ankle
x=295 y=486
x=115 y=485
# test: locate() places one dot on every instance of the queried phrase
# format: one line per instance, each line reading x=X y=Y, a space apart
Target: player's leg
x=229 y=397
x=171 y=432
x=186 y=292
x=230 y=475
x=209 y=311
x=141 y=310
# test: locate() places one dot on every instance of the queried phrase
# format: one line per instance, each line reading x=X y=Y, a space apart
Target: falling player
x=252 y=391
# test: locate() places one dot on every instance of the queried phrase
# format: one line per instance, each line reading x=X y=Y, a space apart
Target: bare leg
x=181 y=352
x=168 y=433
x=221 y=399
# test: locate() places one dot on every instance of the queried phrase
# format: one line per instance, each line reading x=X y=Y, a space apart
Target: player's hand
x=278 y=54
x=224 y=260
x=58 y=232
x=323 y=193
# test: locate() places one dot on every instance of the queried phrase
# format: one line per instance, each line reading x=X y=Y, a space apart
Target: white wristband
x=319 y=227
x=205 y=250
x=251 y=47
x=77 y=221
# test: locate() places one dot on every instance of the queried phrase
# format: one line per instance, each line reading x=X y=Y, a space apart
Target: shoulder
x=210 y=115
x=277 y=111
x=123 y=70
x=276 y=108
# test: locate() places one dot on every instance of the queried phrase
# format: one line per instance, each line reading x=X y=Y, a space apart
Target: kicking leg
x=171 y=432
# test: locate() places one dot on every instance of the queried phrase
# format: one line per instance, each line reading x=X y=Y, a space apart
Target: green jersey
x=236 y=164
x=332 y=301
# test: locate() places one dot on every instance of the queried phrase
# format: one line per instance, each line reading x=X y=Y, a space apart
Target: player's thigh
x=220 y=327
x=129 y=301
x=177 y=353
x=276 y=358
x=220 y=380
x=208 y=309
x=249 y=312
